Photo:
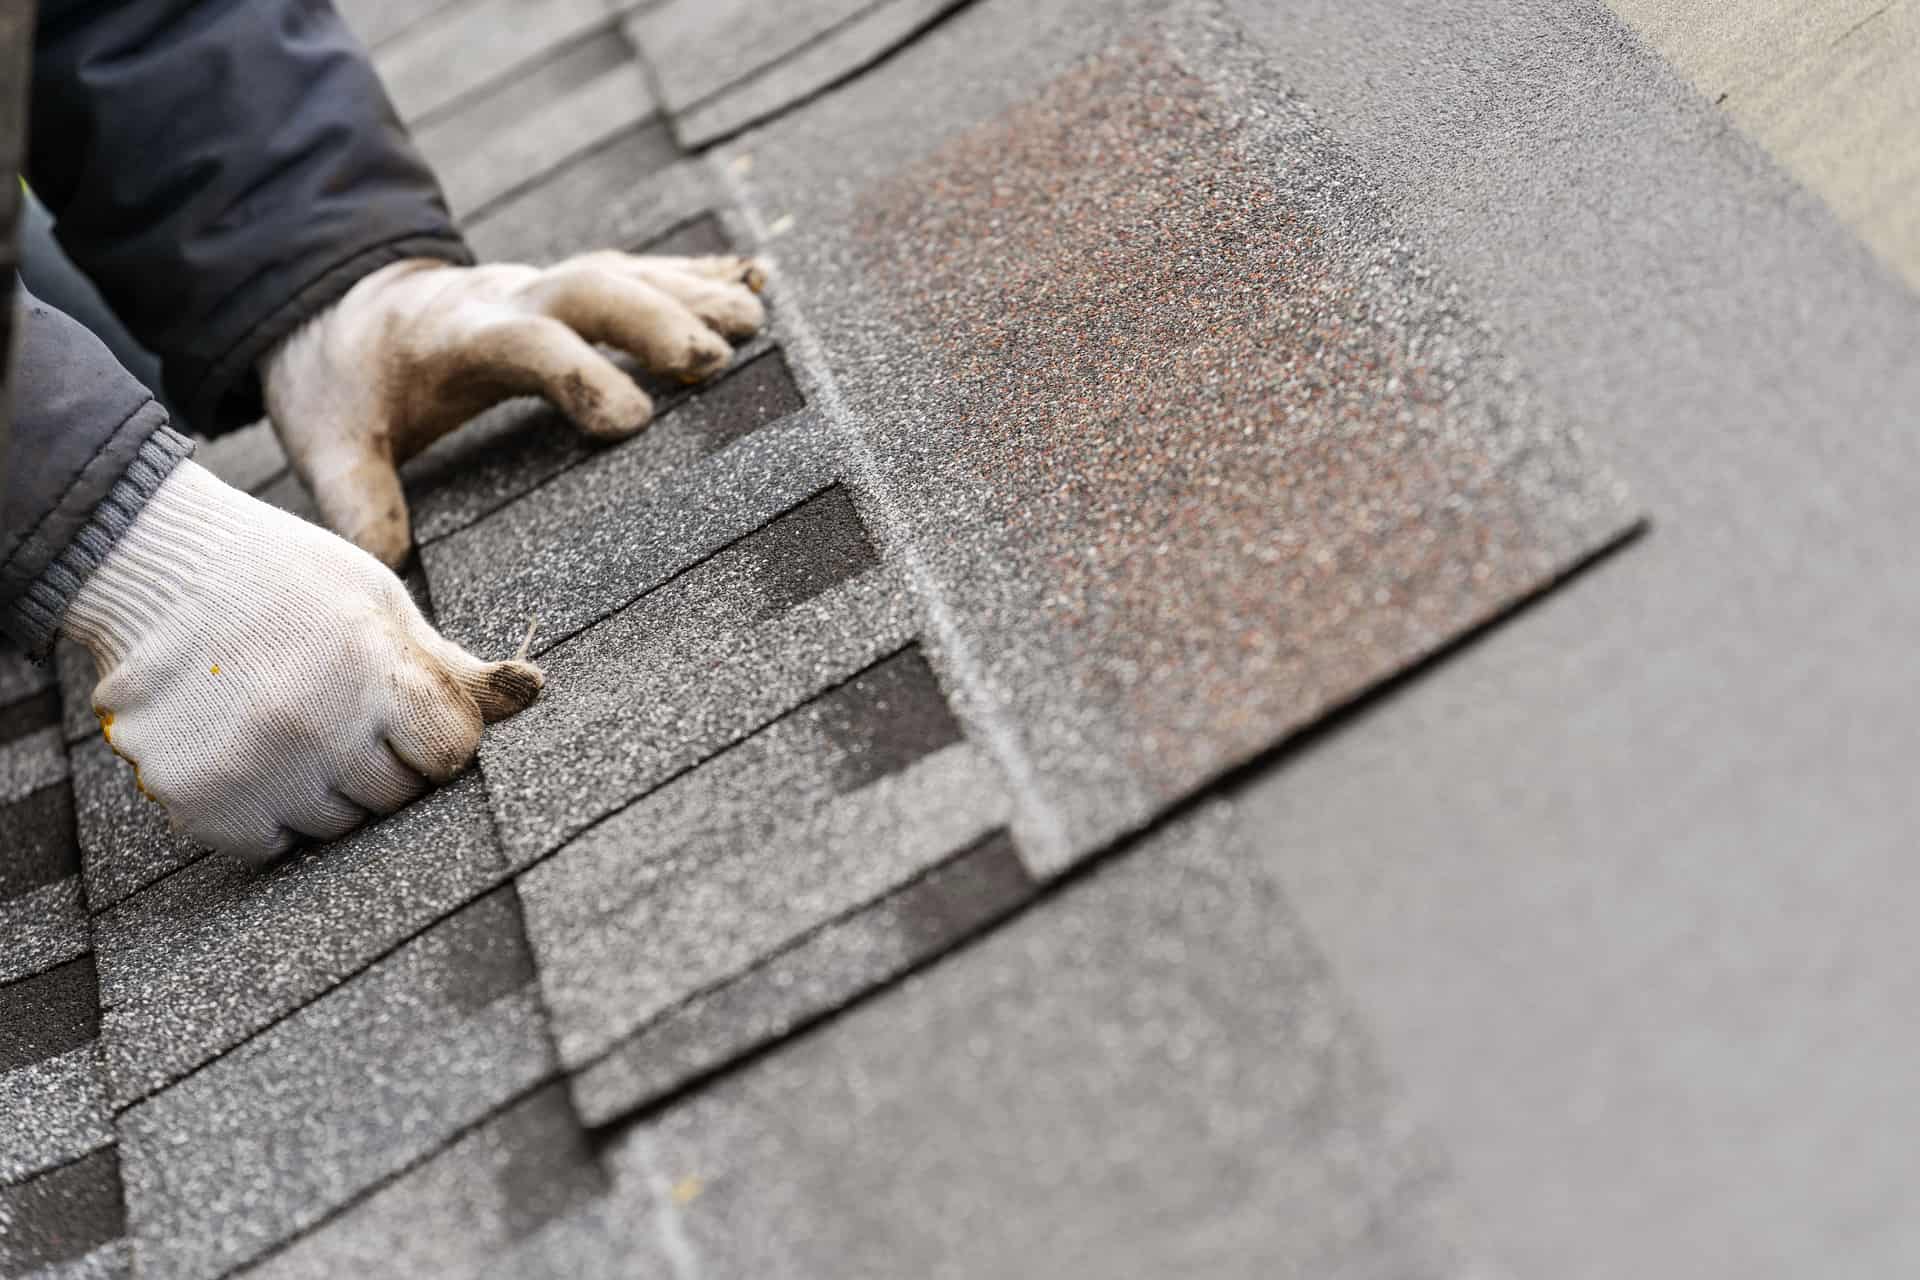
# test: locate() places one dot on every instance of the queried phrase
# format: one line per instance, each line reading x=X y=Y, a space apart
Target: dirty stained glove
x=418 y=347
x=270 y=681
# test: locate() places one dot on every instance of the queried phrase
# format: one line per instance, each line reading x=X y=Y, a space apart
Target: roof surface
x=1044 y=767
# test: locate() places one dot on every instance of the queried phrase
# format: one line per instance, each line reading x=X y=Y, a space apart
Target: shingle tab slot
x=628 y=921
x=196 y=963
x=49 y=1013
x=62 y=1215
x=38 y=845
x=692 y=667
x=353 y=1088
x=810 y=979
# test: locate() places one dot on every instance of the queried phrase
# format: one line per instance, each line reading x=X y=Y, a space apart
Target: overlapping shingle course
x=847 y=655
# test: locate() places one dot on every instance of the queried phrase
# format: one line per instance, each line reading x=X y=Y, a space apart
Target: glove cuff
x=37 y=615
x=156 y=567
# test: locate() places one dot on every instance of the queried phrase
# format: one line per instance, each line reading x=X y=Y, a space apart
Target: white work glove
x=419 y=347
x=267 y=679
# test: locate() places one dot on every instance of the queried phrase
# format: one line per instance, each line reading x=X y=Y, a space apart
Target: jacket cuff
x=224 y=393
x=35 y=617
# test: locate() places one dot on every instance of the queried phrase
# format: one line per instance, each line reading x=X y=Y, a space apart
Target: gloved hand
x=417 y=348
x=269 y=680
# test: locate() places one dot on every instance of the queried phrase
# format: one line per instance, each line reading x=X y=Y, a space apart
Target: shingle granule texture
x=1194 y=452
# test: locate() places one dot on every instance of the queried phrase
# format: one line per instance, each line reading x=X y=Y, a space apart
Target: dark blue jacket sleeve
x=222 y=170
x=90 y=446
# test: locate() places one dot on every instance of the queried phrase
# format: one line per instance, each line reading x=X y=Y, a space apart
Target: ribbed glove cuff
x=156 y=561
x=37 y=615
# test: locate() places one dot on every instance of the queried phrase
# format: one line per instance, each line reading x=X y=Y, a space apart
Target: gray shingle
x=700 y=47
x=507 y=140
x=196 y=963
x=616 y=197
x=352 y=1089
x=377 y=21
x=52 y=1111
x=52 y=1106
x=463 y=48
x=827 y=809
x=42 y=912
x=811 y=978
x=247 y=459
x=20 y=677
x=31 y=762
x=503 y=1200
x=693 y=666
x=74 y=667
x=1189 y=447
x=65 y=1223
x=630 y=517
x=125 y=842
x=696 y=237
x=289 y=494
x=37 y=833
x=517 y=446
x=49 y=1013
x=835 y=55
x=1145 y=1074
x=29 y=697
x=42 y=928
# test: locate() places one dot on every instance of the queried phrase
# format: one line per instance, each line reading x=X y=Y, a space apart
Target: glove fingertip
x=507 y=688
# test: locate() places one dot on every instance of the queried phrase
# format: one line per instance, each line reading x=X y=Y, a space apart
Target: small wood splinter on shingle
x=526 y=645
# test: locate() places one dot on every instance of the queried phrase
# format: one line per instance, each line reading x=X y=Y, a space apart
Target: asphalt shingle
x=507 y=138
x=125 y=842
x=692 y=667
x=1167 y=446
x=624 y=521
x=617 y=197
x=1149 y=1075
x=827 y=809
x=812 y=977
x=353 y=1088
x=248 y=459
x=51 y=1111
x=31 y=762
x=193 y=965
x=42 y=927
x=52 y=1106
x=74 y=668
x=466 y=47
x=830 y=57
x=20 y=678
x=42 y=912
x=1192 y=451
x=378 y=21
x=29 y=698
x=66 y=1224
x=522 y=1195
x=723 y=65
x=518 y=446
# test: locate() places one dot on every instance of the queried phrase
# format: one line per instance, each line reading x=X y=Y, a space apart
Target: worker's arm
x=267 y=679
x=232 y=177
x=223 y=171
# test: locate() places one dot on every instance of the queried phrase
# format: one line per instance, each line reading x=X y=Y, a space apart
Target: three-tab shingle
x=317 y=1109
x=1104 y=435
x=193 y=965
x=1191 y=451
x=617 y=526
x=757 y=629
x=689 y=887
